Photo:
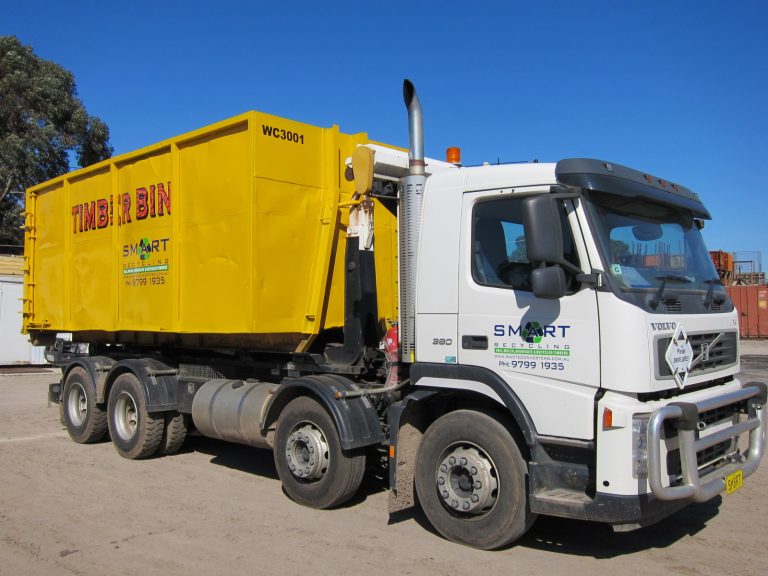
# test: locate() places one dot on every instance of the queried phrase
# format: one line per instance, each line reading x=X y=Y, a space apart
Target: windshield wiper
x=656 y=300
x=675 y=278
x=710 y=297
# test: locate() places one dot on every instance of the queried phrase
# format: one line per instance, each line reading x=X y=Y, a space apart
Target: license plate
x=734 y=481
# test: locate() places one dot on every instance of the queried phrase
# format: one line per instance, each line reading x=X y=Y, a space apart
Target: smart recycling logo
x=528 y=339
x=144 y=248
x=532 y=333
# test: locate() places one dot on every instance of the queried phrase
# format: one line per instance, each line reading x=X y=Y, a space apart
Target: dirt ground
x=218 y=508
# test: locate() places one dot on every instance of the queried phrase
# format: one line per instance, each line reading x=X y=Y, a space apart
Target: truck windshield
x=653 y=248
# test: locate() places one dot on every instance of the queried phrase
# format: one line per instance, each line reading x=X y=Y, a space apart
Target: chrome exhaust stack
x=411 y=191
x=415 y=130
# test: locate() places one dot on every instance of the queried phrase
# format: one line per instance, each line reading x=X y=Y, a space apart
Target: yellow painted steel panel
x=145 y=191
x=286 y=245
x=288 y=151
x=215 y=181
x=93 y=279
x=47 y=281
x=385 y=256
x=232 y=230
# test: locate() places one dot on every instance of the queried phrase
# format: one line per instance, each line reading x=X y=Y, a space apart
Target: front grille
x=723 y=413
x=711 y=456
x=710 y=417
x=721 y=355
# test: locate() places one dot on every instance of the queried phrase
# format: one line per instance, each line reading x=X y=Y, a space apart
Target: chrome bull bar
x=685 y=414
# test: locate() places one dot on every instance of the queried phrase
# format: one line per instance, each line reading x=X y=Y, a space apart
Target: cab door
x=546 y=351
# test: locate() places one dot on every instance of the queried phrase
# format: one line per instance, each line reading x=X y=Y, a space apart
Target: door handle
x=474 y=342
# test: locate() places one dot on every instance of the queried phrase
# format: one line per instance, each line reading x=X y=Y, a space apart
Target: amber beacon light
x=453 y=155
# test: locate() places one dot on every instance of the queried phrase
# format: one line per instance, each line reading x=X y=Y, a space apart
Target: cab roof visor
x=609 y=177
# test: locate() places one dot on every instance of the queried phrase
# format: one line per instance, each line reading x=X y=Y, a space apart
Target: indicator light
x=607 y=418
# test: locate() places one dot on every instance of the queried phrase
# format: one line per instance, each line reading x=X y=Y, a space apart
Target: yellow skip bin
x=228 y=236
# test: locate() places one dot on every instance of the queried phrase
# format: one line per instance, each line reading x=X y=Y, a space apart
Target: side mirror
x=549 y=283
x=362 y=167
x=543 y=234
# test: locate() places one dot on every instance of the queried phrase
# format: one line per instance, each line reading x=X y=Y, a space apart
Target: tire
x=471 y=481
x=305 y=430
x=135 y=433
x=174 y=433
x=85 y=420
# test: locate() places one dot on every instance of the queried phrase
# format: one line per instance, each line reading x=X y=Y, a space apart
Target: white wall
x=14 y=346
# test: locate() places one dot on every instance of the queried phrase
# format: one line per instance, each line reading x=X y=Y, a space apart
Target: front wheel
x=313 y=468
x=471 y=480
x=135 y=433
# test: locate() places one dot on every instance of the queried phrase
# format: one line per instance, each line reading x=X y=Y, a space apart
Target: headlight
x=640 y=445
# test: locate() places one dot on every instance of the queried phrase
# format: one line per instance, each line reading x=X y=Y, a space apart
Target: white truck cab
x=578 y=301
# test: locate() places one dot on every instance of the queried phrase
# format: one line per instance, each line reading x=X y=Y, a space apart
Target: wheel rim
x=466 y=480
x=126 y=416
x=307 y=452
x=77 y=404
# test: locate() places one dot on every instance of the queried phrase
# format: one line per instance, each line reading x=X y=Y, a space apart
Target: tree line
x=43 y=126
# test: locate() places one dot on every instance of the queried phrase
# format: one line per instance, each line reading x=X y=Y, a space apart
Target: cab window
x=498 y=244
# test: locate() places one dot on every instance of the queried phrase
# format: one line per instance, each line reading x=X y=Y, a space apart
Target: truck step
x=561 y=502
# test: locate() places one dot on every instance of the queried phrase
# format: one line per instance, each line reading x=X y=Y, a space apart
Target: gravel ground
x=218 y=508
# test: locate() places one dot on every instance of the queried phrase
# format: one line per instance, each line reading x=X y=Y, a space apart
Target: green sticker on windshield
x=616 y=268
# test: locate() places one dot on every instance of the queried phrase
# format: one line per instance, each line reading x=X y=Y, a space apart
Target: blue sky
x=677 y=89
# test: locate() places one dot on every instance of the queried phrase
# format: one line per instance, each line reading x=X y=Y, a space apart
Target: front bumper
x=684 y=417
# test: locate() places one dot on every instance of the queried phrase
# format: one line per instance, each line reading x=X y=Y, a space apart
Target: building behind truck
x=524 y=339
x=15 y=349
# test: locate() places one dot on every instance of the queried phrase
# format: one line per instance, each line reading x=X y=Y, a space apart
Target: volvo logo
x=705 y=348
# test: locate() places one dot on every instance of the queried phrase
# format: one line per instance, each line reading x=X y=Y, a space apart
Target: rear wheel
x=174 y=433
x=471 y=480
x=85 y=421
x=135 y=433
x=313 y=468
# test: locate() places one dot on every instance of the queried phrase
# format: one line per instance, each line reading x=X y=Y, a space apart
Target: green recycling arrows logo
x=532 y=333
x=144 y=248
